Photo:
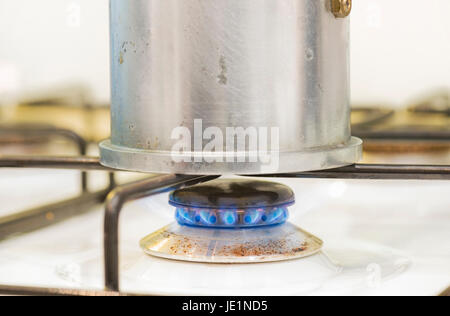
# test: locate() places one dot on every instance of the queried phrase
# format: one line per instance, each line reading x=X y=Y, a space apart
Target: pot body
x=277 y=69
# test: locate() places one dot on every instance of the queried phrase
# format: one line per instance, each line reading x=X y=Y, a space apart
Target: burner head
x=233 y=204
x=226 y=194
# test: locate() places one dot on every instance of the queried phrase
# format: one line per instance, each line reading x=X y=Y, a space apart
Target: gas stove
x=233 y=167
x=378 y=235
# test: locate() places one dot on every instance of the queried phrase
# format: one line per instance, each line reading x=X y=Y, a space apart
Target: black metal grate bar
x=29 y=131
x=38 y=291
x=42 y=162
x=114 y=204
x=357 y=171
x=158 y=184
x=375 y=172
x=37 y=218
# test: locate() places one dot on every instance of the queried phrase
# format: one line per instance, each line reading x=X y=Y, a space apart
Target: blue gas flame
x=207 y=217
x=276 y=215
x=182 y=215
x=252 y=217
x=231 y=218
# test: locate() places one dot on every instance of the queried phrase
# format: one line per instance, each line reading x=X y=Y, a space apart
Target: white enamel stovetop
x=381 y=238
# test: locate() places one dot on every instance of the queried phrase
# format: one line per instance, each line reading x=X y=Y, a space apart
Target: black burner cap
x=232 y=194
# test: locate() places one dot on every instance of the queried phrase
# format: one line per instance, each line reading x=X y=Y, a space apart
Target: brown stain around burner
x=279 y=247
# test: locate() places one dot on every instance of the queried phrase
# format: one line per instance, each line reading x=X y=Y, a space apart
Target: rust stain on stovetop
x=266 y=247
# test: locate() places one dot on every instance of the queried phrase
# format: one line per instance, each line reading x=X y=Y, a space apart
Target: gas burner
x=233 y=204
x=232 y=221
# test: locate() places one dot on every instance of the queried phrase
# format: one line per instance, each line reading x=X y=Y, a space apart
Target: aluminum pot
x=229 y=87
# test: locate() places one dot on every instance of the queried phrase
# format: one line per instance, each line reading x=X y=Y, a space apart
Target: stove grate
x=158 y=184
